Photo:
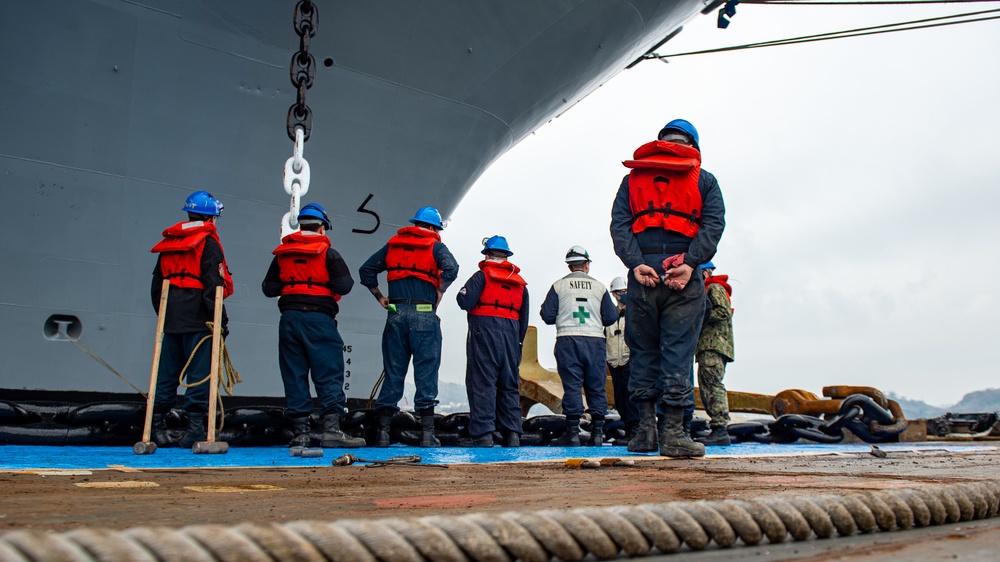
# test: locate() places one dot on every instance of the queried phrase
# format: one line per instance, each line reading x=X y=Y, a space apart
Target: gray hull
x=112 y=112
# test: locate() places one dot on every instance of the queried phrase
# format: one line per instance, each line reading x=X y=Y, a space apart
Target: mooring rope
x=570 y=535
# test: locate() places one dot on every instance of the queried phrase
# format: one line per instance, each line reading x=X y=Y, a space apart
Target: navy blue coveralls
x=662 y=325
x=581 y=361
x=493 y=351
x=309 y=342
x=188 y=310
x=409 y=333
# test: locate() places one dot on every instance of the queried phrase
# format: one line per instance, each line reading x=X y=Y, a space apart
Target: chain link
x=862 y=415
x=302 y=71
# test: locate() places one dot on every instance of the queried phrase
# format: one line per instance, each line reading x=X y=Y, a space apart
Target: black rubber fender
x=131 y=413
x=548 y=422
x=13 y=414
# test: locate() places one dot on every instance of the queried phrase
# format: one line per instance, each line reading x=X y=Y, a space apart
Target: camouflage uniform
x=715 y=349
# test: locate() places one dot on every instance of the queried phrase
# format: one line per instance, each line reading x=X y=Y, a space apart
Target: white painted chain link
x=296 y=183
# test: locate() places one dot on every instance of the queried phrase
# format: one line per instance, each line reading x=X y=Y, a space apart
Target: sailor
x=715 y=349
x=580 y=307
x=191 y=257
x=496 y=298
x=310 y=277
x=420 y=269
x=617 y=357
x=667 y=219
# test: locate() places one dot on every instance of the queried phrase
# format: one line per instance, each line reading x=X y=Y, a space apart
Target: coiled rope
x=228 y=376
x=569 y=535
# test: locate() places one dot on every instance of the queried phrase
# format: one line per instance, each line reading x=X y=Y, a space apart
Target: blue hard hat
x=683 y=126
x=428 y=215
x=202 y=203
x=497 y=244
x=315 y=211
x=708 y=265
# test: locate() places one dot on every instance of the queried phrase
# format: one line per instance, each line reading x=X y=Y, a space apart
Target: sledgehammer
x=211 y=446
x=147 y=446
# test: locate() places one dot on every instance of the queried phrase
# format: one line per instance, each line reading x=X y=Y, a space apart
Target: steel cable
x=570 y=535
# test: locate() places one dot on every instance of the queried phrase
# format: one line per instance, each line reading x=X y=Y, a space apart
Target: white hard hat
x=619 y=284
x=577 y=254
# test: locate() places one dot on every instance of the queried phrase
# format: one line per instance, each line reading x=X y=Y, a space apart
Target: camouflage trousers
x=711 y=370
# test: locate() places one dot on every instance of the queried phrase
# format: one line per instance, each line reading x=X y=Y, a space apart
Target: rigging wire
x=860 y=2
x=858 y=32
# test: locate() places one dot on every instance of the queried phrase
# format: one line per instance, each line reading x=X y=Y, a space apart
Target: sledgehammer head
x=345 y=460
x=210 y=448
x=144 y=448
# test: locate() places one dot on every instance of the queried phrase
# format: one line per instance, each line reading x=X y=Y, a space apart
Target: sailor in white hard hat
x=580 y=307
x=617 y=357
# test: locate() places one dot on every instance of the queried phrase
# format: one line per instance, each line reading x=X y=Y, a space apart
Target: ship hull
x=113 y=112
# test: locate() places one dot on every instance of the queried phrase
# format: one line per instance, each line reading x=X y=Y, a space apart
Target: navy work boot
x=427 y=437
x=645 y=440
x=300 y=428
x=511 y=438
x=674 y=442
x=334 y=437
x=195 y=430
x=382 y=430
x=597 y=434
x=718 y=438
x=572 y=436
x=485 y=441
x=158 y=431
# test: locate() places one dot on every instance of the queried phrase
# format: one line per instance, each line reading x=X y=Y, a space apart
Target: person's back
x=580 y=307
x=496 y=298
x=191 y=257
x=420 y=269
x=310 y=277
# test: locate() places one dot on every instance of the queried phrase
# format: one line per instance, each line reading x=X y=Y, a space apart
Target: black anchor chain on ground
x=859 y=413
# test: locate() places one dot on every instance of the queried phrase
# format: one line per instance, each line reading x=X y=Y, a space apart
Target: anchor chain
x=302 y=71
x=859 y=413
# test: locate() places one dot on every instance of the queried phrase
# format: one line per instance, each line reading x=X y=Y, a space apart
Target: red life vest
x=503 y=293
x=411 y=254
x=663 y=187
x=302 y=265
x=180 y=255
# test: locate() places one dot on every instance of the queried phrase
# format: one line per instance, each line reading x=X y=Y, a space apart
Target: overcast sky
x=861 y=184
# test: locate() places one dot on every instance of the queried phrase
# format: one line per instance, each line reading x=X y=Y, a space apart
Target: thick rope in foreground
x=570 y=535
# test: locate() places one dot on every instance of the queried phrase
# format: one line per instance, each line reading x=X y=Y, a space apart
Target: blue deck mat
x=20 y=457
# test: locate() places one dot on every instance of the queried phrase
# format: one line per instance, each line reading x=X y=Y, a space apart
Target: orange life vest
x=302 y=265
x=180 y=255
x=503 y=293
x=663 y=187
x=411 y=254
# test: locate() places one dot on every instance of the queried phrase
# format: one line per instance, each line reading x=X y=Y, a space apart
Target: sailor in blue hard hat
x=420 y=269
x=715 y=349
x=580 y=307
x=662 y=236
x=310 y=277
x=191 y=257
x=496 y=298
